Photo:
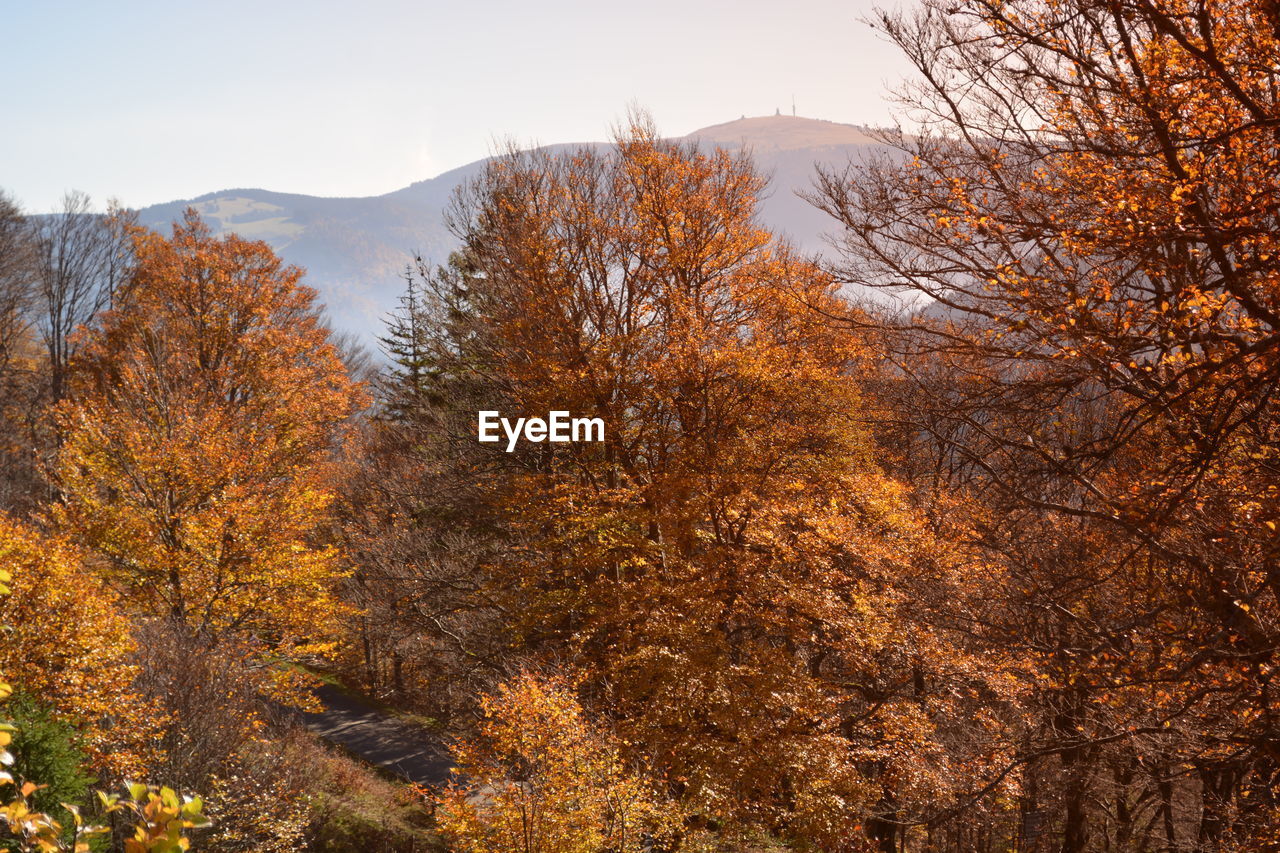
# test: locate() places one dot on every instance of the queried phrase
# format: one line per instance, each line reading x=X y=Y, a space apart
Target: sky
x=155 y=101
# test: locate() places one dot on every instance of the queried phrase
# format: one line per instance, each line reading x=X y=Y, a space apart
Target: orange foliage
x=196 y=440
x=741 y=583
x=539 y=778
x=66 y=644
x=1095 y=213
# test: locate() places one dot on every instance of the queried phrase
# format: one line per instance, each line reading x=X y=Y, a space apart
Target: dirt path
x=408 y=751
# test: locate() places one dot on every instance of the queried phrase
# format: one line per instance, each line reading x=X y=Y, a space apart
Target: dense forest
x=960 y=538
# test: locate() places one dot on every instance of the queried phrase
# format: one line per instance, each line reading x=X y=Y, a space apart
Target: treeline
x=985 y=562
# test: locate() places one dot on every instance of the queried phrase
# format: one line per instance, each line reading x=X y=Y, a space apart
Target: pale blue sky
x=154 y=101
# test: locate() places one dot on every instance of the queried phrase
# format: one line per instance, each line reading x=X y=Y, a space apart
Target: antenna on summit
x=793 y=106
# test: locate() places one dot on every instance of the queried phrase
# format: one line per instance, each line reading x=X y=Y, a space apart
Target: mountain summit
x=783 y=133
x=355 y=250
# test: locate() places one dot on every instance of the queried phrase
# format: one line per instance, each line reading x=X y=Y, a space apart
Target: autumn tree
x=205 y=406
x=744 y=590
x=538 y=777
x=426 y=634
x=1090 y=216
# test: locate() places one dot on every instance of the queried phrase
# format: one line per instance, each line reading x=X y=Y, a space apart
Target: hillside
x=355 y=249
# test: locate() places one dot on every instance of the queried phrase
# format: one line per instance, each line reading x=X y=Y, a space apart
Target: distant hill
x=355 y=249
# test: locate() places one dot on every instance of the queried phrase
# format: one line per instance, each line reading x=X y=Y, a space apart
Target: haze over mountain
x=355 y=250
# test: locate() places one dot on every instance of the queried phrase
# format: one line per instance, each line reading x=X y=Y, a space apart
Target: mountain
x=789 y=149
x=355 y=249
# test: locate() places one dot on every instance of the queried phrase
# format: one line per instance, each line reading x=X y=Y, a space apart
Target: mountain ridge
x=355 y=248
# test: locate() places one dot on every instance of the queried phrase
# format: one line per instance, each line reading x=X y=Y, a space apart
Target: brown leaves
x=1100 y=370
x=729 y=569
